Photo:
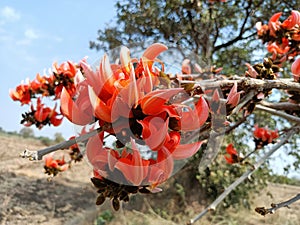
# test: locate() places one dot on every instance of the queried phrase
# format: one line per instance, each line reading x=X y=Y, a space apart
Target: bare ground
x=27 y=197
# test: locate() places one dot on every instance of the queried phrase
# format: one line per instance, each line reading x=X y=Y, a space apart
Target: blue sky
x=34 y=34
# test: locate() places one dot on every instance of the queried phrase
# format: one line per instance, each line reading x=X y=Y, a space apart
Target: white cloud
x=31 y=34
x=9 y=14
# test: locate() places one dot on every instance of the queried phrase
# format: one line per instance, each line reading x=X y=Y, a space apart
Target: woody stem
x=38 y=155
x=248 y=173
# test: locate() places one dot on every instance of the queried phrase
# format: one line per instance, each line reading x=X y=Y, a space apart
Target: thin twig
x=38 y=155
x=248 y=173
x=278 y=113
x=263 y=211
x=281 y=105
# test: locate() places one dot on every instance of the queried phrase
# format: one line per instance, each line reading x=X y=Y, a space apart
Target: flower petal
x=71 y=110
x=185 y=151
x=154 y=50
x=152 y=102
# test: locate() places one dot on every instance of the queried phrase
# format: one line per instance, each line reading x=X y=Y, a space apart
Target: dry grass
x=26 y=197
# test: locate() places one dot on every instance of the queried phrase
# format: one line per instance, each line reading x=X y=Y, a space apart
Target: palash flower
x=21 y=93
x=192 y=119
x=180 y=151
x=279 y=49
x=296 y=70
x=133 y=166
x=115 y=89
x=232 y=155
x=65 y=69
x=128 y=97
x=265 y=135
x=45 y=113
x=274 y=23
x=152 y=126
x=292 y=20
x=54 y=166
x=77 y=109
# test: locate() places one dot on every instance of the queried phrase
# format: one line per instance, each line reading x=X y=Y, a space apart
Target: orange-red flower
x=232 y=155
x=22 y=94
x=79 y=110
x=192 y=119
x=292 y=20
x=45 y=113
x=65 y=69
x=274 y=24
x=133 y=166
x=54 y=166
x=296 y=70
x=264 y=136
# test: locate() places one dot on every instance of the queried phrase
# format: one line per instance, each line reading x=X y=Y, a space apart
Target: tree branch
x=248 y=173
x=281 y=105
x=279 y=113
x=38 y=155
x=250 y=83
x=263 y=211
x=242 y=30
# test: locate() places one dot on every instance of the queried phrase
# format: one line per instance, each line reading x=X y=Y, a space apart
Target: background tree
x=26 y=132
x=211 y=29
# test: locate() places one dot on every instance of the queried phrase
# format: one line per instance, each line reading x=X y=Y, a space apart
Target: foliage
x=104 y=218
x=211 y=30
x=26 y=132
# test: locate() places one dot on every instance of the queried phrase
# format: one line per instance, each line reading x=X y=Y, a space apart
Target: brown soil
x=27 y=197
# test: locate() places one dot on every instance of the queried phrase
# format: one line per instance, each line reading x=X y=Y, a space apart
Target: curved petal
x=202 y=111
x=106 y=75
x=152 y=102
x=194 y=119
x=292 y=20
x=96 y=154
x=154 y=50
x=134 y=168
x=186 y=150
x=296 y=69
x=100 y=109
x=154 y=132
x=70 y=110
x=125 y=59
x=186 y=67
x=165 y=162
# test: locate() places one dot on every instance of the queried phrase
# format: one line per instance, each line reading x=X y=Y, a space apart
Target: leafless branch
x=247 y=174
x=263 y=211
x=38 y=155
x=279 y=113
x=281 y=105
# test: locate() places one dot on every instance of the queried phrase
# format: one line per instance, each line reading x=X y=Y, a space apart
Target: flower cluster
x=264 y=136
x=54 y=166
x=129 y=102
x=283 y=38
x=41 y=116
x=45 y=86
x=232 y=155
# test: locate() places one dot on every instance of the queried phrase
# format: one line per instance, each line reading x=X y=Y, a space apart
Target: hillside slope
x=27 y=197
